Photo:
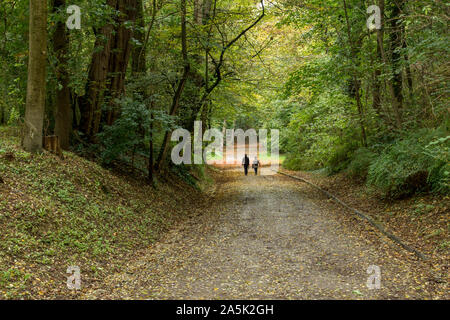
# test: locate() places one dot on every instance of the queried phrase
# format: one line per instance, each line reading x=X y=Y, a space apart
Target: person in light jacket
x=255 y=165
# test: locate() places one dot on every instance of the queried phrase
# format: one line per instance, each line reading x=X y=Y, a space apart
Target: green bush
x=360 y=163
x=439 y=177
x=301 y=162
x=340 y=157
x=14 y=116
x=127 y=133
x=407 y=166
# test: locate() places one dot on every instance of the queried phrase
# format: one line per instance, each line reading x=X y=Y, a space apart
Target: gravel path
x=266 y=237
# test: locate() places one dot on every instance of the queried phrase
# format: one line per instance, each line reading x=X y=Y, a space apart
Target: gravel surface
x=268 y=237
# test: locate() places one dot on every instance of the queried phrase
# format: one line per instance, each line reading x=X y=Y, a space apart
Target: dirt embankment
x=55 y=214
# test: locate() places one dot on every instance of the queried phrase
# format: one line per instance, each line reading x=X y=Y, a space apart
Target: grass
x=56 y=213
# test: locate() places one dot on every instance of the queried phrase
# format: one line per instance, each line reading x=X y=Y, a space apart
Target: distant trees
x=35 y=101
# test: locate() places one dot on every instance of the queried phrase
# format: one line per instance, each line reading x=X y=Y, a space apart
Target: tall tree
x=108 y=67
x=180 y=88
x=120 y=55
x=396 y=22
x=138 y=62
x=356 y=80
x=376 y=87
x=396 y=106
x=63 y=117
x=35 y=101
x=138 y=67
x=216 y=76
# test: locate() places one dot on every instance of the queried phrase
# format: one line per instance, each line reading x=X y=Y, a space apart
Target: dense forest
x=373 y=102
x=355 y=87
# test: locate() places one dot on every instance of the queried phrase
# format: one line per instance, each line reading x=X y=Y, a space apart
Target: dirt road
x=268 y=237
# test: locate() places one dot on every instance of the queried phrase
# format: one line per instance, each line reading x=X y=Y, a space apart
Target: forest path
x=266 y=237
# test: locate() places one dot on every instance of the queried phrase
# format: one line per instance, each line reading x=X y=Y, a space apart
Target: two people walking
x=246 y=164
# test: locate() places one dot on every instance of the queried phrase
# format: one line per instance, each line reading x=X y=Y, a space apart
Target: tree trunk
x=138 y=55
x=356 y=81
x=376 y=86
x=35 y=103
x=63 y=117
x=108 y=67
x=198 y=12
x=396 y=46
x=2 y=115
x=180 y=88
x=151 y=167
x=138 y=67
x=380 y=40
x=52 y=144
x=90 y=104
x=120 y=56
x=407 y=63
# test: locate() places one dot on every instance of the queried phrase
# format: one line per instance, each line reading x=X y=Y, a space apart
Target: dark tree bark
x=409 y=78
x=108 y=68
x=36 y=85
x=63 y=117
x=389 y=84
x=2 y=115
x=90 y=104
x=356 y=81
x=138 y=62
x=120 y=56
x=376 y=86
x=396 y=7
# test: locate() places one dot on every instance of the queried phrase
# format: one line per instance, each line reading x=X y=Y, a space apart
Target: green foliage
x=322 y=132
x=406 y=166
x=14 y=116
x=341 y=157
x=127 y=139
x=188 y=174
x=360 y=163
x=294 y=161
x=318 y=97
x=127 y=133
x=439 y=176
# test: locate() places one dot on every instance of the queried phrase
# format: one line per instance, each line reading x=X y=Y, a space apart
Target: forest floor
x=58 y=213
x=271 y=237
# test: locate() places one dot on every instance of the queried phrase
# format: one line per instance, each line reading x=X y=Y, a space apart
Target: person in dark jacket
x=246 y=164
